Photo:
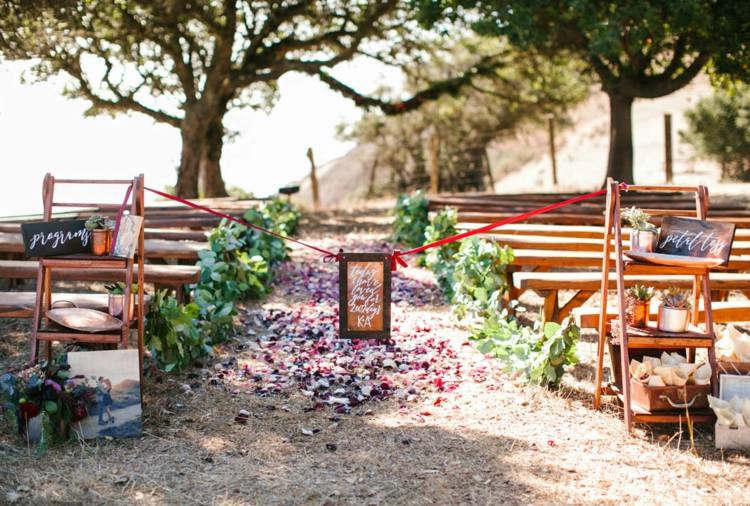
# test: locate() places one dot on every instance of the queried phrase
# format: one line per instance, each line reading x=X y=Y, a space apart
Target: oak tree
x=185 y=63
x=636 y=48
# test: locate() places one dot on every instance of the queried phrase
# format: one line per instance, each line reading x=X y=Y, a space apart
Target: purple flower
x=55 y=386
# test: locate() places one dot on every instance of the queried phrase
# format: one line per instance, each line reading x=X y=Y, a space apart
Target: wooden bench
x=174 y=277
x=561 y=259
x=742 y=221
x=21 y=304
x=540 y=242
x=723 y=312
x=580 y=231
x=162 y=249
x=585 y=284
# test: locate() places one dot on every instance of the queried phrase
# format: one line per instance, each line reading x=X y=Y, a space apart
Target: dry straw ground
x=489 y=441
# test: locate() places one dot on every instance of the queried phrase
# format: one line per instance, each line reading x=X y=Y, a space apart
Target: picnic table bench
x=173 y=234
x=174 y=277
x=561 y=259
x=580 y=231
x=724 y=311
x=556 y=218
x=163 y=249
x=540 y=242
x=585 y=284
x=21 y=304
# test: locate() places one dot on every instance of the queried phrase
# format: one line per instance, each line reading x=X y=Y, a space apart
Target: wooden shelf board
x=83 y=337
x=84 y=262
x=633 y=267
x=671 y=416
x=652 y=337
x=669 y=342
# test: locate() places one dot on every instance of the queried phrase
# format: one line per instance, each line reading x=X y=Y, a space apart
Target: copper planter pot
x=115 y=304
x=643 y=241
x=637 y=313
x=101 y=239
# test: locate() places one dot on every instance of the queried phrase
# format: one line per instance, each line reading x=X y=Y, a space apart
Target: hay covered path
x=424 y=420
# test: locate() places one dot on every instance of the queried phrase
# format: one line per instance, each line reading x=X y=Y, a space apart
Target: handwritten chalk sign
x=365 y=296
x=695 y=238
x=52 y=238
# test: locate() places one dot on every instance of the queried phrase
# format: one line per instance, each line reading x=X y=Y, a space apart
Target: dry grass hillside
x=522 y=163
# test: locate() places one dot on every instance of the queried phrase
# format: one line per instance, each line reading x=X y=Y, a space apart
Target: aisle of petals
x=292 y=343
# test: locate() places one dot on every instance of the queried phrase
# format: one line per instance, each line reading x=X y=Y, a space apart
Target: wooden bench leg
x=577 y=300
x=550 y=306
x=37 y=318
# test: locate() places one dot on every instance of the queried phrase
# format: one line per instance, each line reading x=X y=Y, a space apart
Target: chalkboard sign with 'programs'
x=365 y=296
x=53 y=238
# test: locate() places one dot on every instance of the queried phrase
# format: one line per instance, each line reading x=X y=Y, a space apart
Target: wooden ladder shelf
x=626 y=338
x=45 y=331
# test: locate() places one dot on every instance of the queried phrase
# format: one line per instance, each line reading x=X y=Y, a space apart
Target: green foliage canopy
x=637 y=48
x=719 y=129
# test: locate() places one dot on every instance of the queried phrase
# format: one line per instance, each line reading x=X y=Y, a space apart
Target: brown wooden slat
x=21 y=304
x=154 y=248
x=591 y=281
x=161 y=275
x=723 y=312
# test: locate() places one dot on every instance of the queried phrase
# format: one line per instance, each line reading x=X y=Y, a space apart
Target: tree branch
x=434 y=91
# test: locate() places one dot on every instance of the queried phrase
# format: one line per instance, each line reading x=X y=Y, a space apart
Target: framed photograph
x=115 y=410
x=127 y=236
x=365 y=296
x=731 y=385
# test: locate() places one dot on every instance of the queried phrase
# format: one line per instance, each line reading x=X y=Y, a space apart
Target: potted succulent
x=116 y=299
x=637 y=300
x=101 y=234
x=643 y=233
x=674 y=311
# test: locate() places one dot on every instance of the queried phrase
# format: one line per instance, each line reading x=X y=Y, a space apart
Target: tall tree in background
x=637 y=48
x=185 y=63
x=455 y=131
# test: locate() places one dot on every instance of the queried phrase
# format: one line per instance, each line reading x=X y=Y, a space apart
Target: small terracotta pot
x=673 y=320
x=100 y=241
x=115 y=303
x=637 y=313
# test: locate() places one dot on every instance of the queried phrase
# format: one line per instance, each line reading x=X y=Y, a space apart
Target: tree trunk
x=620 y=162
x=210 y=181
x=193 y=136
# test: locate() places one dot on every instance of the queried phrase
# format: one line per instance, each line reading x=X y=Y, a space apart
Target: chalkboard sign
x=51 y=238
x=365 y=296
x=695 y=238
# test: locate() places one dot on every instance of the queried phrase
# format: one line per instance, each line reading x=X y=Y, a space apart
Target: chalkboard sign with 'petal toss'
x=53 y=238
x=365 y=296
x=696 y=238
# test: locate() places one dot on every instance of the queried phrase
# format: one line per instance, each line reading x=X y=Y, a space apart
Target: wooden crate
x=732 y=439
x=739 y=368
x=657 y=398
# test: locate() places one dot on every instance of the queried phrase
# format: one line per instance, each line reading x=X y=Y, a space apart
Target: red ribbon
x=397 y=260
x=396 y=257
x=329 y=255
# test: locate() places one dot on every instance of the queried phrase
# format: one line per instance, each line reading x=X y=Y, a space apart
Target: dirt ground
x=460 y=432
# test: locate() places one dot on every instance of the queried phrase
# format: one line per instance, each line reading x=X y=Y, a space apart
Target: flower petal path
x=297 y=346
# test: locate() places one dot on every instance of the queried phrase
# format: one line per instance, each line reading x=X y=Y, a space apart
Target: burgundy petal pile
x=294 y=344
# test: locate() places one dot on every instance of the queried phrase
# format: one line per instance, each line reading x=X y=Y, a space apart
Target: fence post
x=552 y=154
x=668 y=146
x=434 y=161
x=313 y=180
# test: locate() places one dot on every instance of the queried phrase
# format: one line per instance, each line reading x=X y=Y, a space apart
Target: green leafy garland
x=236 y=267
